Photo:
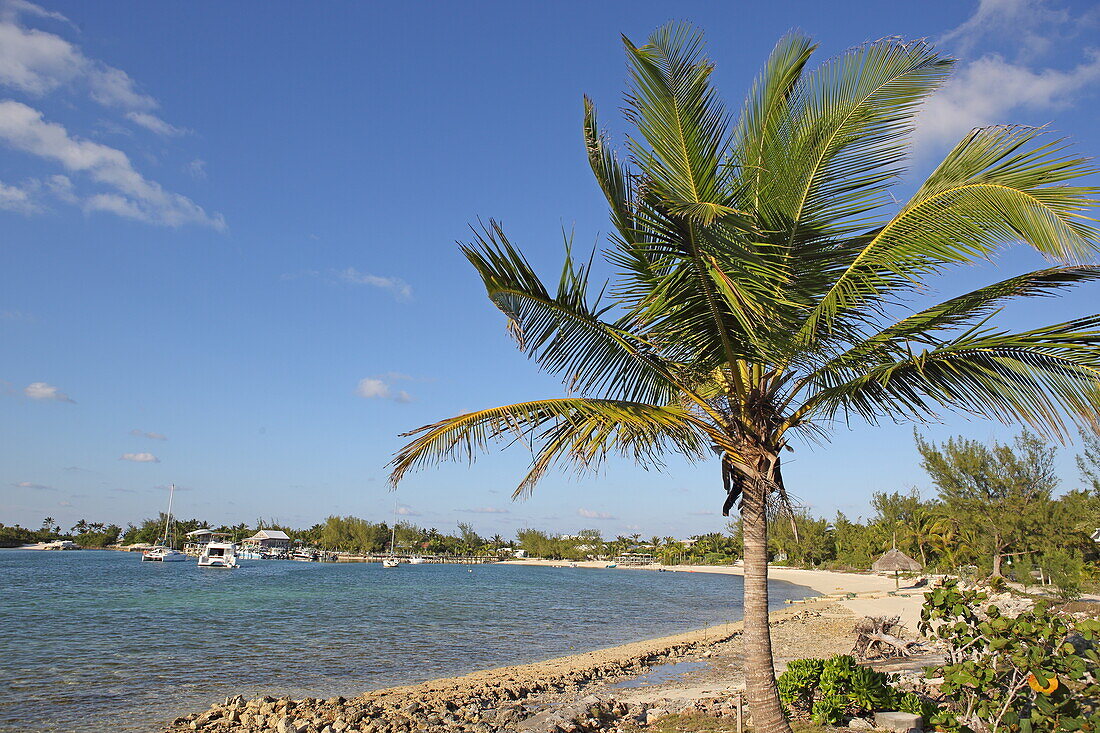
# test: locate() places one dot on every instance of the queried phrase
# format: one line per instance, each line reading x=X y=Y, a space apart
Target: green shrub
x=797 y=686
x=1026 y=674
x=832 y=690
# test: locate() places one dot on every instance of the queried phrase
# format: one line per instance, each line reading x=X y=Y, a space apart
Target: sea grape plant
x=833 y=690
x=1035 y=672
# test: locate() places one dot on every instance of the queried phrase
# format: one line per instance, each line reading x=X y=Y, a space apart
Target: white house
x=270 y=538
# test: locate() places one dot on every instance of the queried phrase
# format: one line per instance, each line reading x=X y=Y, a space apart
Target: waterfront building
x=268 y=539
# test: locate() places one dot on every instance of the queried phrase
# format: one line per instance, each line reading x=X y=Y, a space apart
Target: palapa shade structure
x=897 y=561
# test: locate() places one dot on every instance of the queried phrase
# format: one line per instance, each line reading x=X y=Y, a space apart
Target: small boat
x=391 y=561
x=219 y=555
x=416 y=561
x=250 y=555
x=163 y=551
x=305 y=554
x=61 y=545
x=612 y=565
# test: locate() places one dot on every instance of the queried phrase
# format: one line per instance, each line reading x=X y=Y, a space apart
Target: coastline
x=547 y=695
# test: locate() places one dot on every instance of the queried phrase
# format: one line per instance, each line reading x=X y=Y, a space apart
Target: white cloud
x=1004 y=80
x=406 y=511
x=139 y=457
x=150 y=436
x=36 y=62
x=1031 y=24
x=197 y=169
x=155 y=124
x=589 y=514
x=400 y=289
x=32 y=485
x=484 y=510
x=44 y=391
x=986 y=91
x=377 y=389
x=17 y=316
x=24 y=129
x=14 y=198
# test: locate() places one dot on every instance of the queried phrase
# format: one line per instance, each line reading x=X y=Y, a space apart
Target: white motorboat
x=416 y=561
x=219 y=555
x=163 y=551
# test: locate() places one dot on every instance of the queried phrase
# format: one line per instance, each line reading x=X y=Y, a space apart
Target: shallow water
x=99 y=641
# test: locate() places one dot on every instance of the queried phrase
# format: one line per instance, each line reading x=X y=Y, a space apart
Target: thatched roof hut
x=897 y=561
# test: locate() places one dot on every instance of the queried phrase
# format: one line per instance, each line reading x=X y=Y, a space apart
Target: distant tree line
x=995 y=514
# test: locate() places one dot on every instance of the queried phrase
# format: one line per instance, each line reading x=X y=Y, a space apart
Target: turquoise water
x=99 y=641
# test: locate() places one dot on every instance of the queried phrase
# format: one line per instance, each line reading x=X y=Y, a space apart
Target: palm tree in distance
x=768 y=286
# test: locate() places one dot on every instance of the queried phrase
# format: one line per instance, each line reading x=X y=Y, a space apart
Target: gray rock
x=654 y=714
x=861 y=724
x=898 y=722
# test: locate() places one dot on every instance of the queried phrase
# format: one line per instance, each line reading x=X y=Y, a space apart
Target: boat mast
x=168 y=519
x=393 y=532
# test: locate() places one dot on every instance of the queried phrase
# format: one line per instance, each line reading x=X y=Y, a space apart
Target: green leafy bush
x=797 y=686
x=1026 y=674
x=830 y=691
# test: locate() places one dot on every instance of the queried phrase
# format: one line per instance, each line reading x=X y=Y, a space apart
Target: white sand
x=872 y=590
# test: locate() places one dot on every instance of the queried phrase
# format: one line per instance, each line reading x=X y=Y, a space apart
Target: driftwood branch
x=879 y=636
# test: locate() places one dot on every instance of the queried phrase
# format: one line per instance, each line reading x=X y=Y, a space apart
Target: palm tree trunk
x=760 y=687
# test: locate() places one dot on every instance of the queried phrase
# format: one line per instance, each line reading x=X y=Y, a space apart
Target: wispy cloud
x=995 y=83
x=378 y=388
x=35 y=63
x=33 y=485
x=16 y=316
x=590 y=514
x=403 y=510
x=46 y=392
x=155 y=124
x=139 y=458
x=132 y=195
x=400 y=289
x=150 y=436
x=484 y=510
x=18 y=199
x=196 y=169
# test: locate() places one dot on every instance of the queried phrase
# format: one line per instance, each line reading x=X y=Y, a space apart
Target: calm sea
x=99 y=641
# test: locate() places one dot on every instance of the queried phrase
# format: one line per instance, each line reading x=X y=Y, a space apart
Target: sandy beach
x=872 y=591
x=697 y=671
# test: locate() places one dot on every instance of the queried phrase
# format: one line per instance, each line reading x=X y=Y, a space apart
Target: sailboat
x=162 y=551
x=391 y=561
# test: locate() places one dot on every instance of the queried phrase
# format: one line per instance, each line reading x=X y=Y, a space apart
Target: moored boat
x=219 y=555
x=163 y=550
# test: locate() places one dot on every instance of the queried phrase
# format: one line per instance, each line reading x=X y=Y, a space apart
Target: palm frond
x=684 y=124
x=579 y=430
x=987 y=193
x=563 y=331
x=1036 y=377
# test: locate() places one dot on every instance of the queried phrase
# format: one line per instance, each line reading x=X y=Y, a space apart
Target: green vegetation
x=768 y=287
x=830 y=691
x=1033 y=672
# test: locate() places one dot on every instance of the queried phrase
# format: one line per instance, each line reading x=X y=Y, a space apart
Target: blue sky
x=228 y=257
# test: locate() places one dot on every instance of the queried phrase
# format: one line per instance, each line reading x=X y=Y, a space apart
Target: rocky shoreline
x=566 y=694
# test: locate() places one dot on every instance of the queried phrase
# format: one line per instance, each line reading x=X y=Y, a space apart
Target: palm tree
x=767 y=285
x=921 y=528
